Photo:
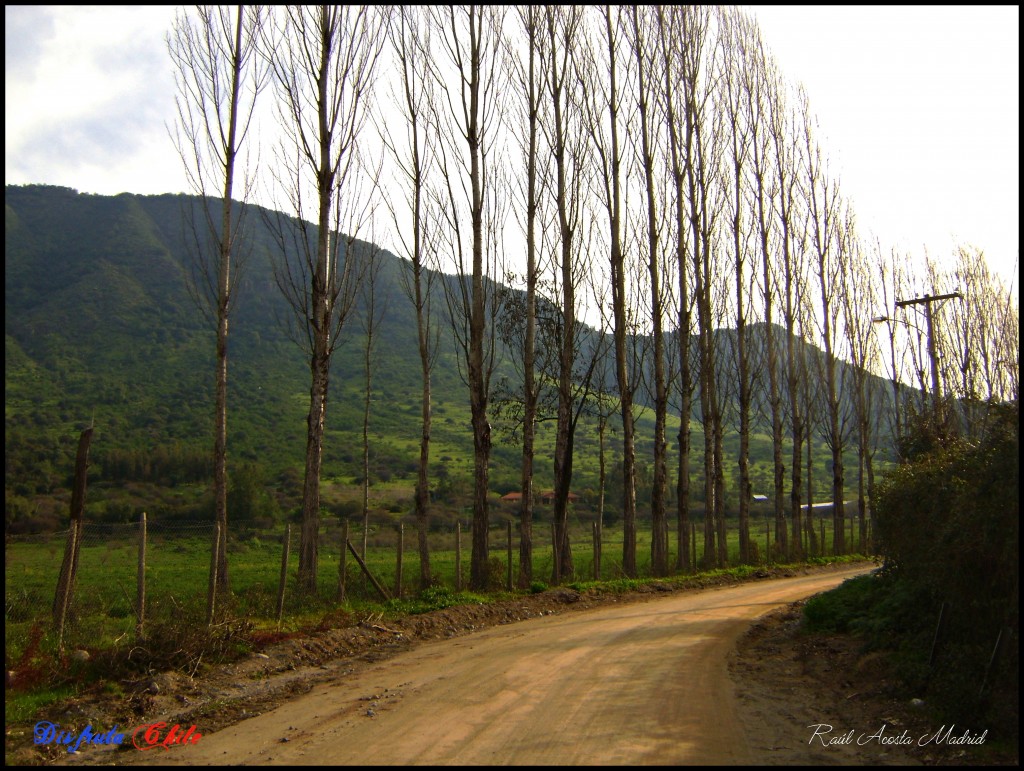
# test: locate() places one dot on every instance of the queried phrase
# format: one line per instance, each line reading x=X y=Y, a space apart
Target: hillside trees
x=219 y=76
x=324 y=67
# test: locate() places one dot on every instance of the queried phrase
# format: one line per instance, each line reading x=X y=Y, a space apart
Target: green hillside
x=100 y=329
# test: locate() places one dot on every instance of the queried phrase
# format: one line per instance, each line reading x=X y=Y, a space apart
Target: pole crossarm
x=928 y=298
x=927 y=301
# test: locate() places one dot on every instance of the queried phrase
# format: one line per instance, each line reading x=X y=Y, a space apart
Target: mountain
x=100 y=329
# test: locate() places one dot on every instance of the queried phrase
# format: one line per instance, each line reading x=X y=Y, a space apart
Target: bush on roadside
x=948 y=522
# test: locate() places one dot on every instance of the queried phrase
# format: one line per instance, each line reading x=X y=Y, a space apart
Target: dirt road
x=636 y=684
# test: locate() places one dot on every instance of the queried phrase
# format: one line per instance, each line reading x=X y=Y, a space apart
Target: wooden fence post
x=63 y=595
x=508 y=577
x=342 y=559
x=554 y=556
x=286 y=545
x=69 y=566
x=211 y=592
x=140 y=583
x=935 y=637
x=693 y=546
x=458 y=556
x=398 y=569
x=992 y=661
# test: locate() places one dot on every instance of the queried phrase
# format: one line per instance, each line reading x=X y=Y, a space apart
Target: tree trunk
x=309 y=535
x=659 y=525
x=670 y=40
x=530 y=341
x=613 y=203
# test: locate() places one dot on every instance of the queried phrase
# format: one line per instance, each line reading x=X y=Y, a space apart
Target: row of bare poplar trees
x=645 y=166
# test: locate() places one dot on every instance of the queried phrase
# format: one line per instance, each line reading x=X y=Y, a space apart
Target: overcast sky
x=918 y=109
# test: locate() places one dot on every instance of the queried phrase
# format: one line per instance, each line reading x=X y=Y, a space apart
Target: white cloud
x=87 y=99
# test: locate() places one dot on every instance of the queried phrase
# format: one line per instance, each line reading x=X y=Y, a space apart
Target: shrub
x=497 y=573
x=841 y=608
x=949 y=521
x=948 y=524
x=435 y=598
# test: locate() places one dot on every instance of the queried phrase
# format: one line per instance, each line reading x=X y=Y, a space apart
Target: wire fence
x=104 y=604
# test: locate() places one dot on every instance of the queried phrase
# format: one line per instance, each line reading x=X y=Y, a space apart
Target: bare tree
x=324 y=67
x=606 y=406
x=919 y=278
x=858 y=302
x=670 y=37
x=822 y=195
x=604 y=122
x=219 y=77
x=981 y=334
x=647 y=101
x=701 y=150
x=786 y=155
x=566 y=139
x=721 y=379
x=810 y=395
x=372 y=307
x=414 y=158
x=527 y=70
x=764 y=101
x=891 y=283
x=737 y=63
x=468 y=82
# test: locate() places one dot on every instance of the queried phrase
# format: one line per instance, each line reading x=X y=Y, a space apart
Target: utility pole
x=927 y=301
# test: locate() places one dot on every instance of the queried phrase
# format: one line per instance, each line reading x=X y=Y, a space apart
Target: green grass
x=846 y=608
x=24 y=706
x=103 y=610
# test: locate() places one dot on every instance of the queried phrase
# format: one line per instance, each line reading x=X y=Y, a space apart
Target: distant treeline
x=171 y=465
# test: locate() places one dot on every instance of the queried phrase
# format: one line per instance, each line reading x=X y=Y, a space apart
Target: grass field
x=103 y=608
